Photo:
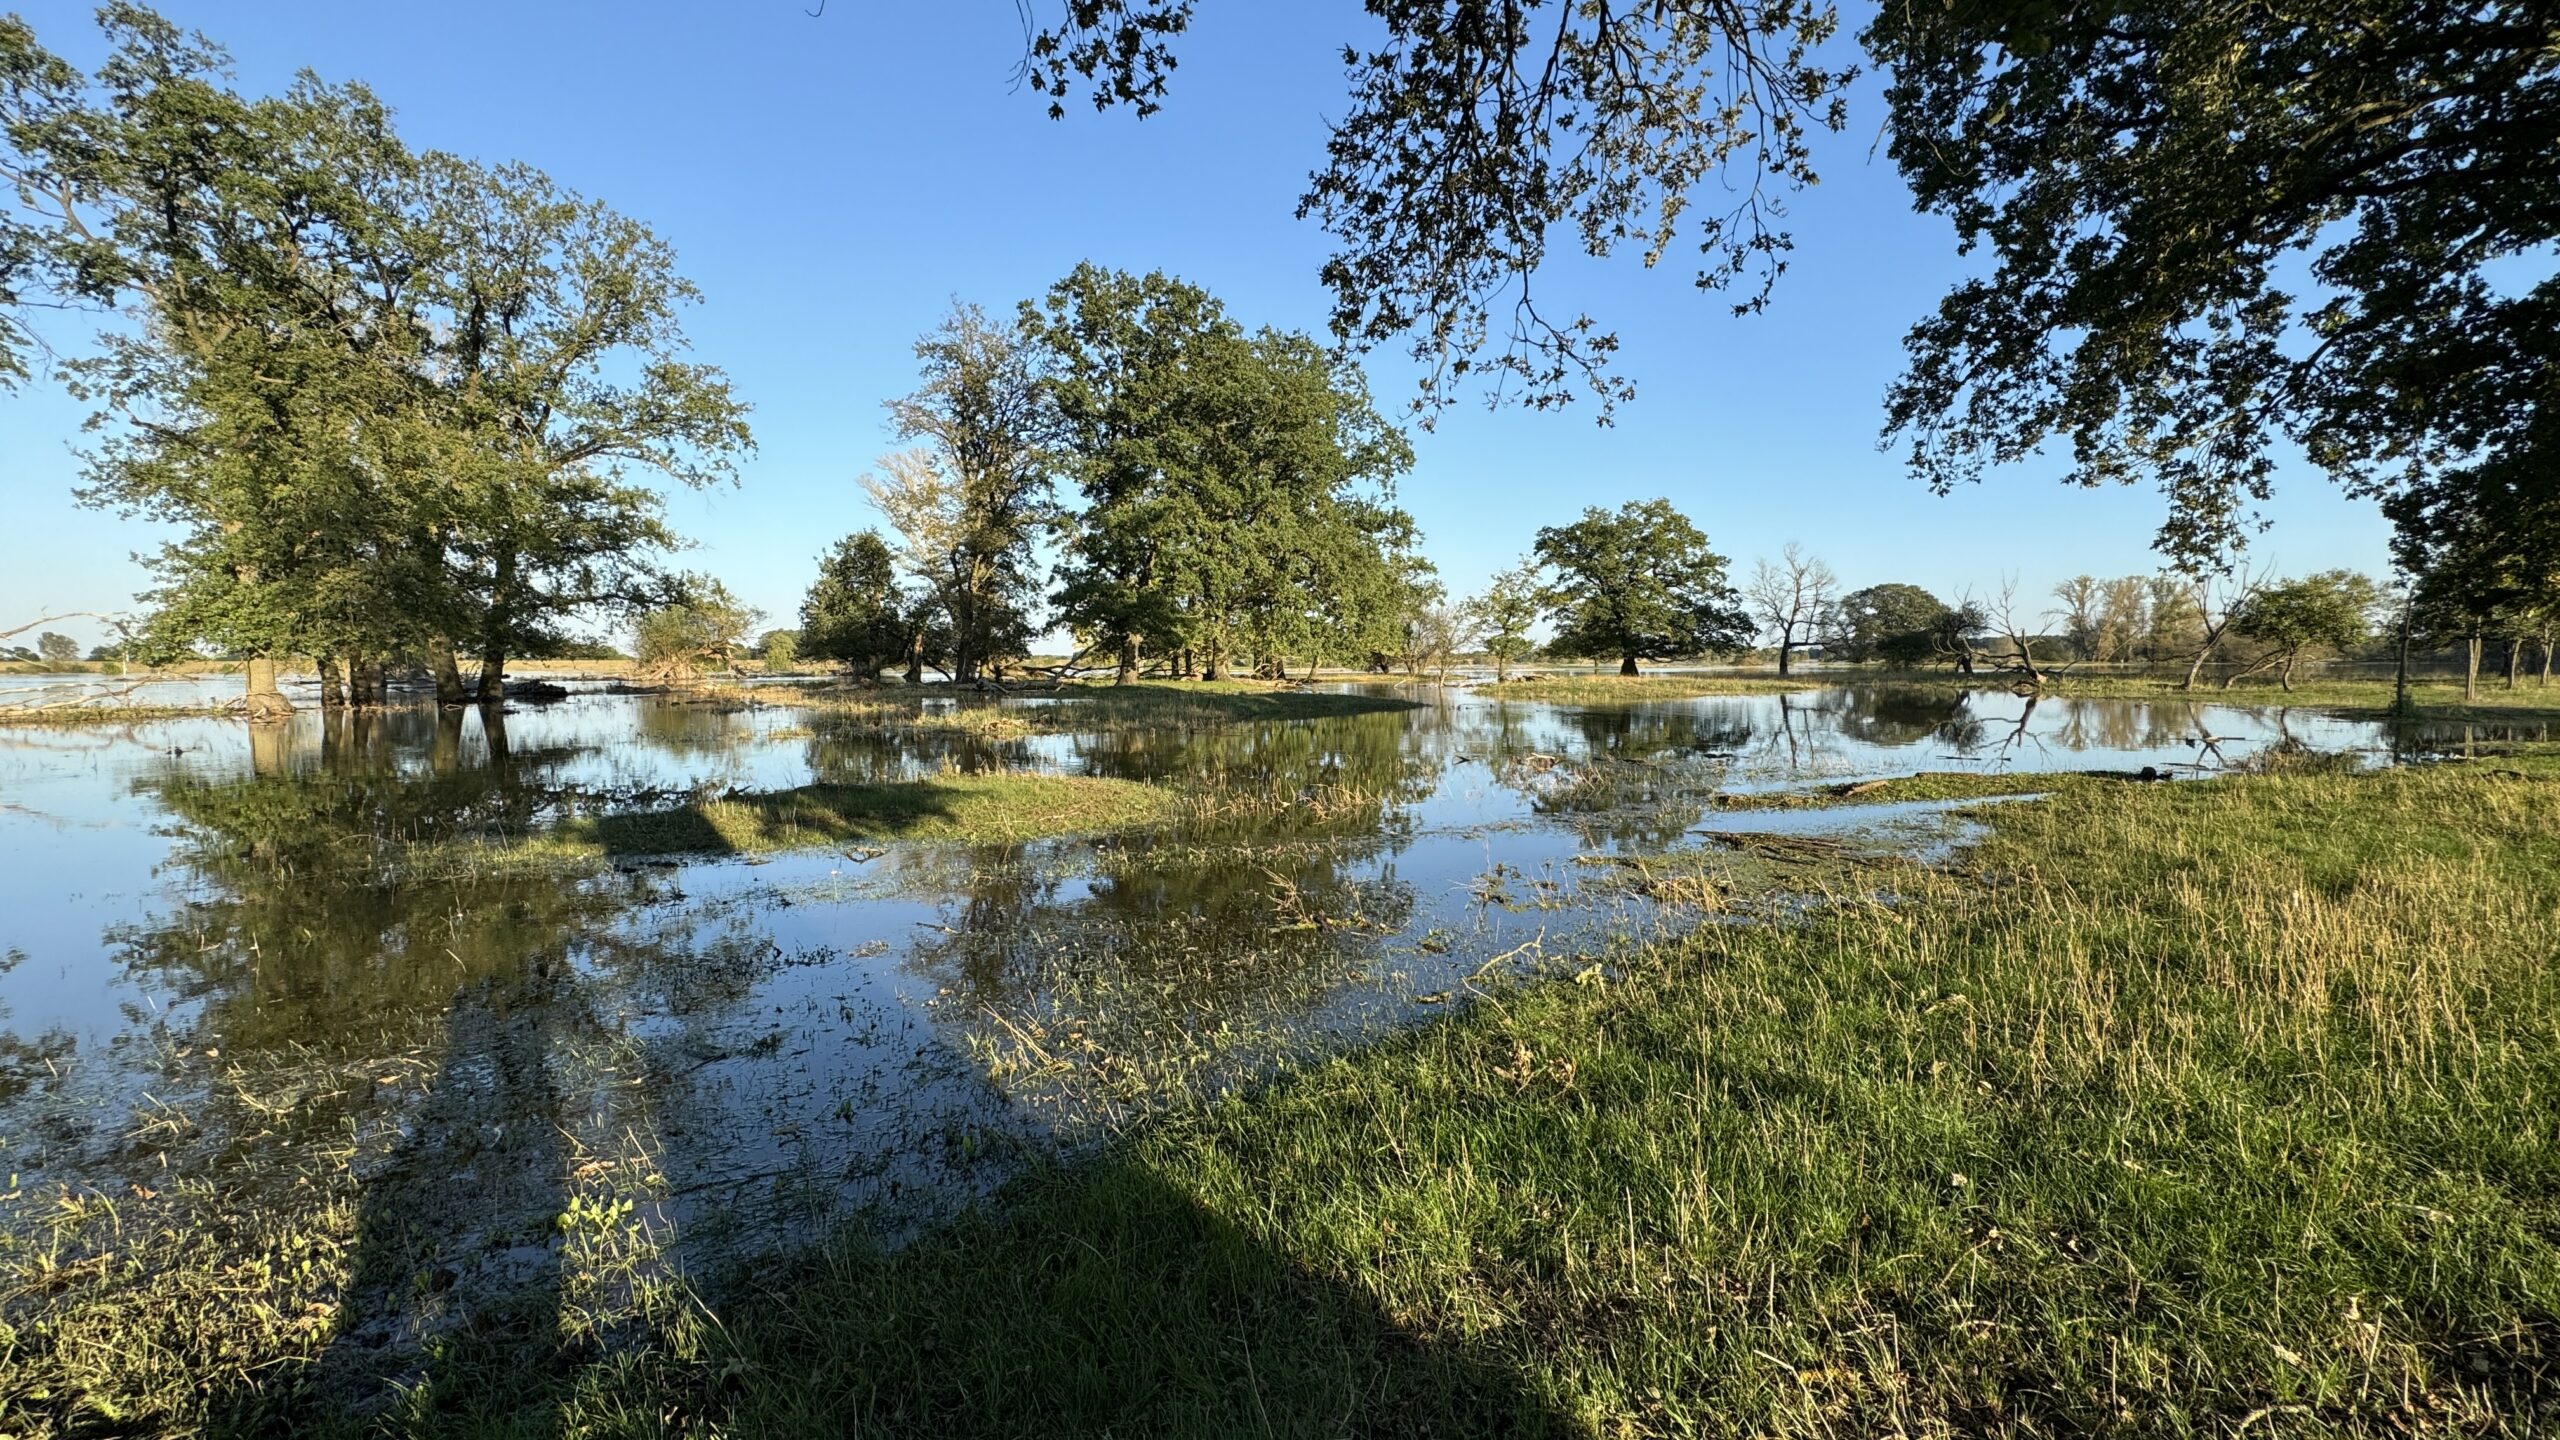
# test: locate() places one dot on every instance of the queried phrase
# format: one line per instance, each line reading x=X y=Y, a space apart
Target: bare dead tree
x=2017 y=652
x=1795 y=597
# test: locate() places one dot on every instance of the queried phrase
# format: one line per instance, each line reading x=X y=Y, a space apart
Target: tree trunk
x=449 y=691
x=2545 y=681
x=333 y=695
x=2195 y=668
x=266 y=702
x=1128 y=672
x=2515 y=658
x=915 y=659
x=1628 y=666
x=1213 y=666
x=2400 y=676
x=2471 y=670
x=1786 y=656
x=2284 y=676
x=496 y=627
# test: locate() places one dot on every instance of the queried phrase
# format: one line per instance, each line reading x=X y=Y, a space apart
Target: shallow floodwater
x=207 y=981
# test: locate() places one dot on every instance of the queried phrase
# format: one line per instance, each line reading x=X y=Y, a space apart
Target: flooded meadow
x=291 y=996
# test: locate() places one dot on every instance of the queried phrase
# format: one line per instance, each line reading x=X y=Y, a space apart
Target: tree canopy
x=1639 y=583
x=2213 y=231
x=1237 y=487
x=390 y=401
x=1893 y=622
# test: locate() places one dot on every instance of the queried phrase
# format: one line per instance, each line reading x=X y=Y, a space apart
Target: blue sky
x=833 y=182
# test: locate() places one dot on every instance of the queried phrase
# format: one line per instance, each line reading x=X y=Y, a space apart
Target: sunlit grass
x=2175 y=1109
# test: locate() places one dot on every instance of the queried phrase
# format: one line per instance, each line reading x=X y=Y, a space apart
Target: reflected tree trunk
x=493 y=729
x=444 y=757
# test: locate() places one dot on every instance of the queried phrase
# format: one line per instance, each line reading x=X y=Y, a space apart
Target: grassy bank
x=2181 y=1109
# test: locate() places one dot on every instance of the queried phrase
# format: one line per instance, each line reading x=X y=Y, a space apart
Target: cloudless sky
x=831 y=182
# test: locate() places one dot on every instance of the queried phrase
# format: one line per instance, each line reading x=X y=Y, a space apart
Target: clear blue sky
x=831 y=183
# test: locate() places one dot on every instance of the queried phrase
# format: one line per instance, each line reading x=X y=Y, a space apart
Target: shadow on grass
x=1102 y=1301
x=1099 y=1301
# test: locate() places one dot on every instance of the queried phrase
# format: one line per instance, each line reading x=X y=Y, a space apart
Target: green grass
x=2179 y=1110
x=2198 y=1109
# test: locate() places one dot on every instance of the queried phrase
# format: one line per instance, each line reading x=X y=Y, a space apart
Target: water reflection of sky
x=794 y=1034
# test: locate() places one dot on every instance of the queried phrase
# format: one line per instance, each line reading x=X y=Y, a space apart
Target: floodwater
x=214 y=982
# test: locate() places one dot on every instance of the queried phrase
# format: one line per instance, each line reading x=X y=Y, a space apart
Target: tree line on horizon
x=395 y=403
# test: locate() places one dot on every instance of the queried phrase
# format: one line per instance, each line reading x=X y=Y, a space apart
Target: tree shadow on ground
x=456 y=1234
x=1093 y=1300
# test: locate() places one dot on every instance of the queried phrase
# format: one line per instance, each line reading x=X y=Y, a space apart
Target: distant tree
x=1957 y=635
x=1236 y=486
x=1504 y=614
x=704 y=627
x=57 y=647
x=1894 y=623
x=1436 y=634
x=1795 y=598
x=855 y=615
x=1639 y=583
x=2173 y=617
x=2013 y=634
x=970 y=503
x=780 y=650
x=2332 y=610
x=2123 y=618
x=2077 y=598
